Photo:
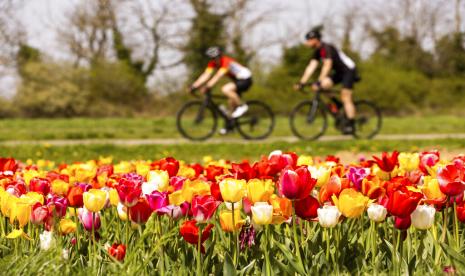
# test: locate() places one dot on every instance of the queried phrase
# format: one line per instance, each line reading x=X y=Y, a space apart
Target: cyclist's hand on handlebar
x=299 y=86
x=191 y=89
x=316 y=86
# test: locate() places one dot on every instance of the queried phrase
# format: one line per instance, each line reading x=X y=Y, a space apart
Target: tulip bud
x=328 y=216
x=423 y=217
x=262 y=213
x=376 y=212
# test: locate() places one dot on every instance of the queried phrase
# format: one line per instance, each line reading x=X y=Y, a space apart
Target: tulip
x=190 y=232
x=75 y=197
x=89 y=219
x=156 y=181
x=226 y=220
x=402 y=202
x=232 y=190
x=34 y=198
x=243 y=171
x=452 y=179
x=236 y=205
x=428 y=160
x=46 y=240
x=461 y=212
x=408 y=161
x=372 y=187
x=282 y=209
x=140 y=212
x=117 y=251
x=21 y=212
x=94 y=200
x=60 y=187
x=259 y=190
x=262 y=213
x=305 y=160
x=203 y=207
x=357 y=175
x=40 y=185
x=168 y=164
x=189 y=190
x=307 y=208
x=57 y=206
x=351 y=203
x=296 y=184
x=122 y=211
x=174 y=211
x=128 y=192
x=402 y=223
x=328 y=216
x=432 y=191
x=377 y=212
x=423 y=217
x=387 y=163
x=67 y=226
x=321 y=173
x=113 y=197
x=157 y=200
x=39 y=213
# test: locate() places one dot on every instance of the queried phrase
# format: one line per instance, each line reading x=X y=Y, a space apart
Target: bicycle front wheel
x=196 y=121
x=368 y=120
x=307 y=121
x=257 y=123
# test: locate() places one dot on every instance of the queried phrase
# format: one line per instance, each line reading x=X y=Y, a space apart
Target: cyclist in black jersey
x=336 y=68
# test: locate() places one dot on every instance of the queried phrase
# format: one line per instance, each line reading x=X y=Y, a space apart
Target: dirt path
x=175 y=141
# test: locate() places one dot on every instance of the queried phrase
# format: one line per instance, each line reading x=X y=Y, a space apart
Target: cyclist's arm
x=203 y=78
x=311 y=67
x=327 y=65
x=219 y=74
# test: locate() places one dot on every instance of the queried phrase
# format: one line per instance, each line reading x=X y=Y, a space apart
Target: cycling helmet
x=314 y=33
x=213 y=52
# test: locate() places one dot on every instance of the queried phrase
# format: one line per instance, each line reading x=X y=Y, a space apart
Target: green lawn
x=84 y=128
x=195 y=152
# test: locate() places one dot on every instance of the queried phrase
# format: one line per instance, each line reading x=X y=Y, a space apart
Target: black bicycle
x=309 y=120
x=198 y=119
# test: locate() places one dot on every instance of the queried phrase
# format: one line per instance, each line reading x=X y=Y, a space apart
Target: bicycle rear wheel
x=257 y=123
x=196 y=121
x=368 y=120
x=308 y=122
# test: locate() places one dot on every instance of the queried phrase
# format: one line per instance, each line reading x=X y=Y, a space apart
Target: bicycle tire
x=300 y=120
x=362 y=117
x=195 y=107
x=258 y=113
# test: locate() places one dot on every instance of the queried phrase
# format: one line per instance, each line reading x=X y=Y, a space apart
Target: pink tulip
x=39 y=213
x=85 y=216
x=174 y=211
x=203 y=207
x=296 y=184
x=157 y=200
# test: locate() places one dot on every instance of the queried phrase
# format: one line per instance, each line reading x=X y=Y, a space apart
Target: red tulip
x=39 y=213
x=190 y=232
x=129 y=191
x=140 y=212
x=402 y=202
x=387 y=163
x=40 y=185
x=296 y=184
x=157 y=200
x=243 y=171
x=452 y=179
x=168 y=164
x=57 y=205
x=215 y=191
x=16 y=188
x=197 y=168
x=402 y=223
x=461 y=212
x=177 y=182
x=8 y=167
x=281 y=160
x=203 y=207
x=117 y=251
x=75 y=196
x=427 y=160
x=212 y=172
x=307 y=208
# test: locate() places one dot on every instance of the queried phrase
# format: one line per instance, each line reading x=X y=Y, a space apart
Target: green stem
x=326 y=234
x=296 y=241
x=235 y=236
x=456 y=226
x=76 y=220
x=267 y=257
x=199 y=253
x=94 y=253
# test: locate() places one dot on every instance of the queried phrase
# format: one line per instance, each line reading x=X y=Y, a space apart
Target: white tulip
x=156 y=181
x=328 y=216
x=423 y=217
x=376 y=212
x=46 y=240
x=262 y=213
x=275 y=152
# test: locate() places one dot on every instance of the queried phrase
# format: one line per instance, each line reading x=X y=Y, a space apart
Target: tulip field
x=283 y=214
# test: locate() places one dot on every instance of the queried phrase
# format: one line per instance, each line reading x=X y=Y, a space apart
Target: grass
x=142 y=128
x=195 y=152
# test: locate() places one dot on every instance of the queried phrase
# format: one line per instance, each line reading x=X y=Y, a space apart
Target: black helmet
x=213 y=52
x=313 y=33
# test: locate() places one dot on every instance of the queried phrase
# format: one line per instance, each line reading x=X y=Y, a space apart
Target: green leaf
x=246 y=269
x=228 y=267
x=291 y=259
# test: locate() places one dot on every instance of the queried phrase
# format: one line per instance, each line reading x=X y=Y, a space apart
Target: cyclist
x=336 y=68
x=240 y=75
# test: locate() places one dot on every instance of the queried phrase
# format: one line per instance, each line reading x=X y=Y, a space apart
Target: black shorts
x=347 y=78
x=243 y=85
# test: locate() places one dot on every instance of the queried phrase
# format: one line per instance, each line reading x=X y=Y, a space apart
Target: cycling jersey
x=341 y=62
x=230 y=66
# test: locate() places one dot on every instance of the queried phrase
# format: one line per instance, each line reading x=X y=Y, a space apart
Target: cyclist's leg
x=327 y=83
x=229 y=90
x=346 y=94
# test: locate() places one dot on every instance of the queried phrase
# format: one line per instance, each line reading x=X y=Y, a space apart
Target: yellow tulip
x=321 y=174
x=142 y=168
x=282 y=209
x=431 y=189
x=186 y=172
x=408 y=161
x=232 y=190
x=226 y=220
x=304 y=160
x=60 y=187
x=384 y=175
x=262 y=213
x=351 y=203
x=30 y=174
x=188 y=191
x=67 y=226
x=16 y=233
x=123 y=167
x=21 y=211
x=114 y=197
x=34 y=197
x=7 y=203
x=259 y=190
x=94 y=200
x=159 y=180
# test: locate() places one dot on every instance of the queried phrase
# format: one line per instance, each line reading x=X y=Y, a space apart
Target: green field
x=141 y=128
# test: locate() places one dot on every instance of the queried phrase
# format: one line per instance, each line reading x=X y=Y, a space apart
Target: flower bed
x=285 y=213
